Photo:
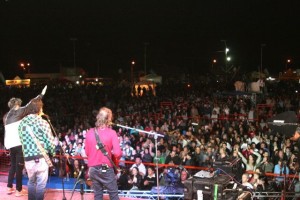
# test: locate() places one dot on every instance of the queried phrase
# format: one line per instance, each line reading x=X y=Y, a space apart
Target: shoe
x=21 y=193
x=10 y=190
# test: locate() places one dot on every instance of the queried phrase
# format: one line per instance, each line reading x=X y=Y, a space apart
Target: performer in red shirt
x=101 y=171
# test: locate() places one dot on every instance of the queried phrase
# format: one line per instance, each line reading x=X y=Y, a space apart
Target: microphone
x=111 y=124
x=45 y=116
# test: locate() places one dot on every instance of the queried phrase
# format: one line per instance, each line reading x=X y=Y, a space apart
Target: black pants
x=17 y=164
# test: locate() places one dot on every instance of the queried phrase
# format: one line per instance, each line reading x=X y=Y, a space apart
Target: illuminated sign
x=18 y=82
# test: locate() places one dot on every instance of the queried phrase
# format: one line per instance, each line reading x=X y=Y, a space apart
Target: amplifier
x=188 y=189
x=211 y=187
x=232 y=167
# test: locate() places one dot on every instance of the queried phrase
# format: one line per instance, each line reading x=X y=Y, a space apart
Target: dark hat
x=127 y=143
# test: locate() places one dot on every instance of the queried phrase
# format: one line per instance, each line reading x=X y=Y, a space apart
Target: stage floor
x=54 y=194
x=51 y=194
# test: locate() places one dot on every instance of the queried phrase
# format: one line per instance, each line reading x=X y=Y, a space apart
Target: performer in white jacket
x=11 y=121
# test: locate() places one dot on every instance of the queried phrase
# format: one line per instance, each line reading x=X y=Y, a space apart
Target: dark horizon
x=181 y=35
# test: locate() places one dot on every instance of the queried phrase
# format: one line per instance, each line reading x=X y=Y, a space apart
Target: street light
x=288 y=61
x=132 y=64
x=213 y=62
x=24 y=66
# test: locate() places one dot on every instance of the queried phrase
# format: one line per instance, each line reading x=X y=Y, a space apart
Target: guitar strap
x=43 y=151
x=101 y=147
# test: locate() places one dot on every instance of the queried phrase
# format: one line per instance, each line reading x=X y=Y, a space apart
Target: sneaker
x=10 y=190
x=21 y=193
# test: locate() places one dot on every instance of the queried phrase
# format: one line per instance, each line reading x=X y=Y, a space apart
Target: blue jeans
x=103 y=179
x=38 y=176
x=17 y=164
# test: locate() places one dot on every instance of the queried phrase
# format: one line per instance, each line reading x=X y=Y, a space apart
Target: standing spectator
x=252 y=163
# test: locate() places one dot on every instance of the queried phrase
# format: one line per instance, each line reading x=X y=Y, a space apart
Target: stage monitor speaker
x=188 y=189
x=210 y=187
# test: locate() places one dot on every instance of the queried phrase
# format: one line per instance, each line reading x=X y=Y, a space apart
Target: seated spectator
x=245 y=182
x=123 y=180
x=262 y=184
x=266 y=165
x=280 y=156
x=135 y=179
x=141 y=167
x=128 y=151
x=159 y=157
x=150 y=180
x=254 y=178
x=80 y=151
x=199 y=156
x=76 y=168
x=293 y=164
x=147 y=156
x=281 y=169
x=222 y=154
x=173 y=158
x=169 y=177
x=184 y=175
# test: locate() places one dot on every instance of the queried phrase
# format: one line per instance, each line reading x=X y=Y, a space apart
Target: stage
x=54 y=191
x=55 y=194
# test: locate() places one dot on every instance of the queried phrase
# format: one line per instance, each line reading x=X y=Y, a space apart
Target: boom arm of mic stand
x=155 y=137
x=140 y=130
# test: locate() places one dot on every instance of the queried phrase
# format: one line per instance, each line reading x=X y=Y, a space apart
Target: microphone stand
x=81 y=181
x=60 y=152
x=155 y=138
x=284 y=180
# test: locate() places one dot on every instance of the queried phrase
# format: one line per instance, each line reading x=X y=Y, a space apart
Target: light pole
x=261 y=59
x=132 y=65
x=213 y=62
x=288 y=61
x=74 y=51
x=145 y=58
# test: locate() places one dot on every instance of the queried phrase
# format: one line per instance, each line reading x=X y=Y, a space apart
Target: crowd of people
x=200 y=126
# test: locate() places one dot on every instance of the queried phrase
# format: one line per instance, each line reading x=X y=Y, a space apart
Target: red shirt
x=111 y=142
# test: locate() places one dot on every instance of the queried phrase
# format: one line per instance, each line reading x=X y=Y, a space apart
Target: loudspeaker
x=188 y=188
x=210 y=187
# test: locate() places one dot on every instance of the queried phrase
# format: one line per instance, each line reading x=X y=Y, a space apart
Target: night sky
x=181 y=34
